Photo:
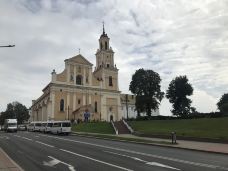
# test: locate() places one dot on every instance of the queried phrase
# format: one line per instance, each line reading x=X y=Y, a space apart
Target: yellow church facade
x=81 y=88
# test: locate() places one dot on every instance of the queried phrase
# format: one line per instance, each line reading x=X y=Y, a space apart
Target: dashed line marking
x=45 y=144
x=99 y=161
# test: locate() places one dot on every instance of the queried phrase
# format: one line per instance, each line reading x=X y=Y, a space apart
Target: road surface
x=40 y=152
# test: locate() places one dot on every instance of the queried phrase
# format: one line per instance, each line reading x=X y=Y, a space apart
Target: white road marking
x=138 y=159
x=161 y=165
x=45 y=144
x=144 y=154
x=99 y=161
x=27 y=138
x=4 y=137
x=17 y=136
x=55 y=161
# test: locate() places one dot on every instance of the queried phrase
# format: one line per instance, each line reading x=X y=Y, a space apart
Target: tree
x=223 y=103
x=15 y=110
x=177 y=93
x=145 y=85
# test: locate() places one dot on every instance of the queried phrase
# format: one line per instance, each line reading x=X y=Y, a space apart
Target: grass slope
x=204 y=128
x=94 y=127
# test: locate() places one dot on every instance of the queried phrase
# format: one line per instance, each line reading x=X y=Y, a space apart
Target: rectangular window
x=110 y=81
x=95 y=110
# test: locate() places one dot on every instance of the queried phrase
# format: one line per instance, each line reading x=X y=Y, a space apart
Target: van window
x=66 y=124
x=49 y=124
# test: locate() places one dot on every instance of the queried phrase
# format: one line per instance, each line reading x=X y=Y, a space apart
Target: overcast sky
x=172 y=38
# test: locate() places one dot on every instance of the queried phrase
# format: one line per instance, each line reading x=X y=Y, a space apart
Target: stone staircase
x=120 y=126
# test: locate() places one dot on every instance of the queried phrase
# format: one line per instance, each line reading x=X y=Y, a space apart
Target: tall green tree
x=223 y=103
x=15 y=110
x=177 y=93
x=145 y=84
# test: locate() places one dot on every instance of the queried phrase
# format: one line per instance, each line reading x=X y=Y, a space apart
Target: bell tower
x=105 y=68
x=105 y=54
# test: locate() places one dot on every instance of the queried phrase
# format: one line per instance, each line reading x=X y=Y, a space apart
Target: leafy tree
x=223 y=103
x=15 y=110
x=145 y=85
x=177 y=93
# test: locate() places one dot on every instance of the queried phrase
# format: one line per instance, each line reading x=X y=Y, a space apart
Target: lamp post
x=7 y=46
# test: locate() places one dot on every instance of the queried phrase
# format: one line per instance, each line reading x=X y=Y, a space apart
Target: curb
x=11 y=160
x=147 y=143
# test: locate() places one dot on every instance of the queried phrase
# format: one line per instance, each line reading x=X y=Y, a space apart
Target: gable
x=80 y=60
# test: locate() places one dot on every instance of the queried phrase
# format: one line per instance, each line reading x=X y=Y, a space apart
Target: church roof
x=79 y=59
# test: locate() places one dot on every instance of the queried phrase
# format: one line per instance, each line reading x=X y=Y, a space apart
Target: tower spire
x=103 y=28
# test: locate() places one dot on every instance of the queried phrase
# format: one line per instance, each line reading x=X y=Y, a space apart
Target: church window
x=110 y=80
x=100 y=45
x=106 y=45
x=79 y=101
x=87 y=79
x=79 y=69
x=79 y=80
x=71 y=77
x=61 y=105
x=95 y=107
x=107 y=65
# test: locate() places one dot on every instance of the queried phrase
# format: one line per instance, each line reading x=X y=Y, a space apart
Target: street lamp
x=8 y=46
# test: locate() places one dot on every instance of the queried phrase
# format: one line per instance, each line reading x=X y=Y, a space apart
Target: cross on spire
x=103 y=28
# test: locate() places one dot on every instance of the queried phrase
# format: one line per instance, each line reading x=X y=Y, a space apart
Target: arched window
x=110 y=80
x=106 y=45
x=100 y=45
x=61 y=105
x=79 y=80
x=95 y=110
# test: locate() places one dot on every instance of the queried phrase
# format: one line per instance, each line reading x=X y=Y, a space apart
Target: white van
x=38 y=126
x=10 y=125
x=43 y=126
x=31 y=126
x=48 y=127
x=61 y=127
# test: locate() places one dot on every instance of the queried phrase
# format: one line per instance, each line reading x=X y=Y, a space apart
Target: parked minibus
x=61 y=127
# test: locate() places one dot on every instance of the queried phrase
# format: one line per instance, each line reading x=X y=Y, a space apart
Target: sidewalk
x=184 y=144
x=194 y=145
x=7 y=164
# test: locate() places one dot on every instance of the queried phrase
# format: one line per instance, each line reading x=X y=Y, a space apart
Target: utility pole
x=8 y=46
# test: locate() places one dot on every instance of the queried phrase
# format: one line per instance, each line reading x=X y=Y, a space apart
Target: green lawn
x=205 y=127
x=94 y=127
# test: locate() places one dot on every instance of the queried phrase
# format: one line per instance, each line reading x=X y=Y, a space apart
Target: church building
x=79 y=89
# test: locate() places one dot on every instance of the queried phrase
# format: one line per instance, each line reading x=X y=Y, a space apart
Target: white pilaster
x=68 y=104
x=119 y=114
x=68 y=73
x=74 y=102
x=75 y=74
x=89 y=98
x=83 y=99
x=84 y=76
x=90 y=76
x=52 y=105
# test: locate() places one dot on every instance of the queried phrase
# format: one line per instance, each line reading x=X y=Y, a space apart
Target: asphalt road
x=37 y=151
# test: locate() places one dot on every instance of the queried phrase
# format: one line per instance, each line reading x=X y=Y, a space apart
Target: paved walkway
x=7 y=164
x=195 y=145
